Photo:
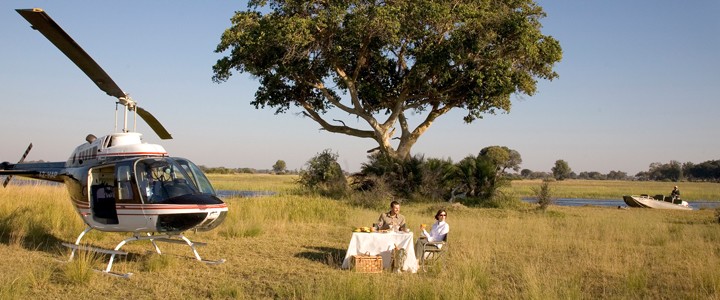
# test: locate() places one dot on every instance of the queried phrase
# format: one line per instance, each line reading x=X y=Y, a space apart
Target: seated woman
x=437 y=233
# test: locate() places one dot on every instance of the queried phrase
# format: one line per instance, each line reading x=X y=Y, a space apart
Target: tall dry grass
x=291 y=247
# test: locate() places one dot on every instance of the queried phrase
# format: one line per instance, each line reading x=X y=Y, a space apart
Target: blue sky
x=638 y=84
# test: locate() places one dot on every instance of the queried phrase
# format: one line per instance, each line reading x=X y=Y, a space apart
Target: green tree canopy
x=388 y=59
x=279 y=166
x=503 y=157
x=324 y=175
x=561 y=170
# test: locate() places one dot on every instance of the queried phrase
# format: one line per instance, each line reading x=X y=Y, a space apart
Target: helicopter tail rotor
x=22 y=159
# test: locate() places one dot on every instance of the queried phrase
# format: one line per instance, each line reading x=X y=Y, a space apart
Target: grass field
x=290 y=247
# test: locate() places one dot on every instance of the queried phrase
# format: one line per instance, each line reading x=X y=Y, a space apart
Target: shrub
x=544 y=195
x=403 y=177
x=478 y=178
x=437 y=179
x=324 y=175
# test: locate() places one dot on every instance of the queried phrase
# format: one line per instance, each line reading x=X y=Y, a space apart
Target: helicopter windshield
x=160 y=179
x=201 y=182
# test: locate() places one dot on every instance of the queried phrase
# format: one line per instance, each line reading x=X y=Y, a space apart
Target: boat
x=659 y=202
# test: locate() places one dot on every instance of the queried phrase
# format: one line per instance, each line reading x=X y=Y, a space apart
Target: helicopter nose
x=214 y=219
x=179 y=222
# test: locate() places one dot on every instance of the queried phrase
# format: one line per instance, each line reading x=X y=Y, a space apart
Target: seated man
x=392 y=218
x=675 y=194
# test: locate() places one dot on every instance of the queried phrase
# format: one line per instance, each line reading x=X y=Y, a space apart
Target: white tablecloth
x=382 y=244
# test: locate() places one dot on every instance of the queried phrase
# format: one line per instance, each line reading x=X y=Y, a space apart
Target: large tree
x=382 y=61
x=502 y=157
x=561 y=170
x=279 y=166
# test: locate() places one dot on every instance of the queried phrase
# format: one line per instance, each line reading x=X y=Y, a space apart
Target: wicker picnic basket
x=364 y=263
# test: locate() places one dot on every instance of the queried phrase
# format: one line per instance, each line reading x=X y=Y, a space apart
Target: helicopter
x=117 y=182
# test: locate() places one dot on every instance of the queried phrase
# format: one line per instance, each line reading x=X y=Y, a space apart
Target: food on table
x=362 y=229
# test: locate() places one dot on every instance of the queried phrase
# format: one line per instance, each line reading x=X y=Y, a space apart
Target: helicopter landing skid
x=167 y=238
x=183 y=240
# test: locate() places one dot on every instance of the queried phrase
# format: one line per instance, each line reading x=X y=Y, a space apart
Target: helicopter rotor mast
x=42 y=22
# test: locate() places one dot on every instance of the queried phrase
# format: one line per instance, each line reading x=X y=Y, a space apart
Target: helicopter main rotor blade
x=42 y=22
x=153 y=123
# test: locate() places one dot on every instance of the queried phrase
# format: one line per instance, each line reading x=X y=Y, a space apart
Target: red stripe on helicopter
x=160 y=207
x=133 y=153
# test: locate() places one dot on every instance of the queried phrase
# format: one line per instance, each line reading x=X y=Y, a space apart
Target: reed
x=291 y=247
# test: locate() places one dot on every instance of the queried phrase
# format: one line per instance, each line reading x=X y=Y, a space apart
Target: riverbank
x=615 y=189
x=617 y=203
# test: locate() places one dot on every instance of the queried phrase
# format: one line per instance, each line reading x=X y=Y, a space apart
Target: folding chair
x=433 y=252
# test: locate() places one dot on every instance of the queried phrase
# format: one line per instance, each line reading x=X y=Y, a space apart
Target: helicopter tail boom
x=22 y=159
x=50 y=171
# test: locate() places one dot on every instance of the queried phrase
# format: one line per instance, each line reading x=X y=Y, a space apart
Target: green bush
x=402 y=177
x=438 y=179
x=324 y=175
x=474 y=180
x=544 y=195
x=478 y=177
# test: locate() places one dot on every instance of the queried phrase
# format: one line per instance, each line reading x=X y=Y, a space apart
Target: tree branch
x=312 y=114
x=340 y=121
x=321 y=87
x=434 y=114
x=359 y=110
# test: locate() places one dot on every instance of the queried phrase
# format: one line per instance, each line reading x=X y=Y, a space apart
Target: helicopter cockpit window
x=197 y=175
x=160 y=179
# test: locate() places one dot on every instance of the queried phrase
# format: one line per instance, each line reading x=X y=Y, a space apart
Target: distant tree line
x=676 y=171
x=224 y=170
x=671 y=171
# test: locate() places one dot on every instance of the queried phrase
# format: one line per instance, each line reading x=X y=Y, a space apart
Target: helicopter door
x=125 y=188
x=102 y=195
x=127 y=192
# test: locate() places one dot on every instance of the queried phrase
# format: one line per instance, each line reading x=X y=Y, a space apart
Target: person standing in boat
x=675 y=194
